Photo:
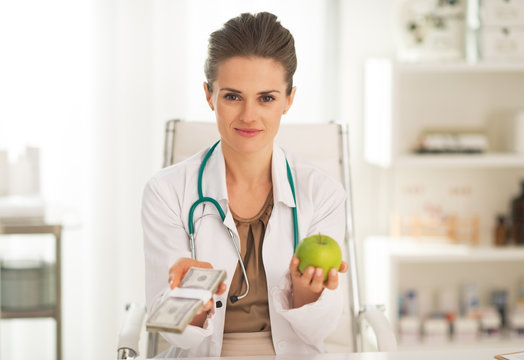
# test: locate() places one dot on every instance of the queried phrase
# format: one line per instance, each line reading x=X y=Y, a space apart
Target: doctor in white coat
x=249 y=71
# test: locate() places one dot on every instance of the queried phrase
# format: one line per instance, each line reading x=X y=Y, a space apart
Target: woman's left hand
x=308 y=287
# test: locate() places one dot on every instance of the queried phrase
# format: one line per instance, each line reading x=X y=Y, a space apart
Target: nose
x=249 y=111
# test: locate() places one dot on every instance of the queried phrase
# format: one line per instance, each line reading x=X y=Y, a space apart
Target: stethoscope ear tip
x=233 y=299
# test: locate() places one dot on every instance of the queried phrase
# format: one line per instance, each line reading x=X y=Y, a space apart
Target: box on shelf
x=502 y=13
x=26 y=285
x=465 y=329
x=502 y=43
x=506 y=132
x=516 y=323
x=490 y=325
x=16 y=209
x=409 y=329
x=436 y=331
x=431 y=32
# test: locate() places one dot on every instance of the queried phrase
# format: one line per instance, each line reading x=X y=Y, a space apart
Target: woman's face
x=249 y=98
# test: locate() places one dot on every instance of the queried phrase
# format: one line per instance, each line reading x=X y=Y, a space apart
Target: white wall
x=365 y=31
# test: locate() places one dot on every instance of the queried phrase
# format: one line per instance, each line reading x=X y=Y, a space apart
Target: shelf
x=55 y=312
x=461 y=67
x=493 y=160
x=29 y=228
x=415 y=97
x=410 y=250
x=455 y=253
x=27 y=314
x=489 y=343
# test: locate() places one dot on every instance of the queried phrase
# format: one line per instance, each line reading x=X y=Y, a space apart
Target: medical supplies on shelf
x=448 y=228
x=452 y=141
x=420 y=321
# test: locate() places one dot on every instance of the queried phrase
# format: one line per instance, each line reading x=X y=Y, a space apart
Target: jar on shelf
x=517 y=214
x=501 y=231
x=490 y=324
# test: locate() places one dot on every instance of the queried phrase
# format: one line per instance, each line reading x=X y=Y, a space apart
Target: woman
x=249 y=71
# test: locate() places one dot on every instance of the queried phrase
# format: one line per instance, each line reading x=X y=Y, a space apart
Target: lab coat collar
x=214 y=182
x=281 y=187
x=214 y=177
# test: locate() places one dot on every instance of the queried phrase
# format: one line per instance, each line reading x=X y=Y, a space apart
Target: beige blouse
x=250 y=314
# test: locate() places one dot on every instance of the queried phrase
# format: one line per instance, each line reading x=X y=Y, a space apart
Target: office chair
x=326 y=146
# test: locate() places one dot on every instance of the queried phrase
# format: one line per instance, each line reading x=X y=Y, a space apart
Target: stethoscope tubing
x=203 y=199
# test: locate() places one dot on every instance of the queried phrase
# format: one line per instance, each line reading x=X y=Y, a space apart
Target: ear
x=289 y=99
x=208 y=96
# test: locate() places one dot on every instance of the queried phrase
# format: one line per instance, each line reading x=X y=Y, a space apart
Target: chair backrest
x=324 y=145
x=320 y=144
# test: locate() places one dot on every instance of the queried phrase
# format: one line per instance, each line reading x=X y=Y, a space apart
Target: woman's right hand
x=176 y=274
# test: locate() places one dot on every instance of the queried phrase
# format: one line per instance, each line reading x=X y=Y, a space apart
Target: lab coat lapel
x=278 y=241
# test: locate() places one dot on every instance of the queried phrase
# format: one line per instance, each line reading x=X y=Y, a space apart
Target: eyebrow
x=265 y=92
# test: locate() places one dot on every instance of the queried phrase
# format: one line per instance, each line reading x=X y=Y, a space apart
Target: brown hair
x=252 y=35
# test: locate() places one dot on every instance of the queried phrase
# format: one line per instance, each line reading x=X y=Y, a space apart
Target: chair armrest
x=386 y=340
x=130 y=332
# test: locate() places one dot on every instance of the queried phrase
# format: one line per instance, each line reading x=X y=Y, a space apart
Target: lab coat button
x=282 y=345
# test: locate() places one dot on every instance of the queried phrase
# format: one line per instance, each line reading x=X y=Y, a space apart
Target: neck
x=248 y=170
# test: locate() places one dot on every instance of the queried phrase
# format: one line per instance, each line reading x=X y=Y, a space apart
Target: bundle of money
x=181 y=305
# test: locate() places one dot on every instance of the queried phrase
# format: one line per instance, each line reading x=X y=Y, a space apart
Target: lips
x=247 y=132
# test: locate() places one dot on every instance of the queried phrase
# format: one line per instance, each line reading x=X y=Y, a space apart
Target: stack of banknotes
x=180 y=305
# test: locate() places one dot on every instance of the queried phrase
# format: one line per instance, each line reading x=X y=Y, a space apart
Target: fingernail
x=310 y=271
x=319 y=272
x=333 y=272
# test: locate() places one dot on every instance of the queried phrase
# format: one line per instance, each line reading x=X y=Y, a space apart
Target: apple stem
x=320 y=238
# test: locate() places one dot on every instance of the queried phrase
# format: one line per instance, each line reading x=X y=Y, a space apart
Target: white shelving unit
x=391 y=267
x=402 y=100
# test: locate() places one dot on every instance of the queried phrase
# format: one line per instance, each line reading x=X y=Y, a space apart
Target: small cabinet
x=46 y=305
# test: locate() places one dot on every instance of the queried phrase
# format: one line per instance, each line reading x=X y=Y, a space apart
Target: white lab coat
x=166 y=202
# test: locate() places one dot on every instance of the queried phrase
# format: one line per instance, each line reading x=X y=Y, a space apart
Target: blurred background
x=431 y=91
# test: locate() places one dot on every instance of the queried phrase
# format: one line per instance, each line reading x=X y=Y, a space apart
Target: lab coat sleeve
x=165 y=241
x=312 y=322
x=315 y=321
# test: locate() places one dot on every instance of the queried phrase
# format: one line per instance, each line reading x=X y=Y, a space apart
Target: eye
x=232 y=97
x=267 y=98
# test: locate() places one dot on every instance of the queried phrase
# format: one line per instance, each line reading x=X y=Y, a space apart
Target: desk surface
x=477 y=354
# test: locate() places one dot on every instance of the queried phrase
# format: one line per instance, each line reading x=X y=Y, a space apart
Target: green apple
x=319 y=251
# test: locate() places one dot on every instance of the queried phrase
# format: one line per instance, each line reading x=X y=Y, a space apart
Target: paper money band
x=189 y=293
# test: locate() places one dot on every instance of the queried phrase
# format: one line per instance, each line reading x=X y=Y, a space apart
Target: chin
x=249 y=146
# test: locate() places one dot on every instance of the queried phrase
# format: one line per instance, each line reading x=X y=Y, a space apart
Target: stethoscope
x=203 y=199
